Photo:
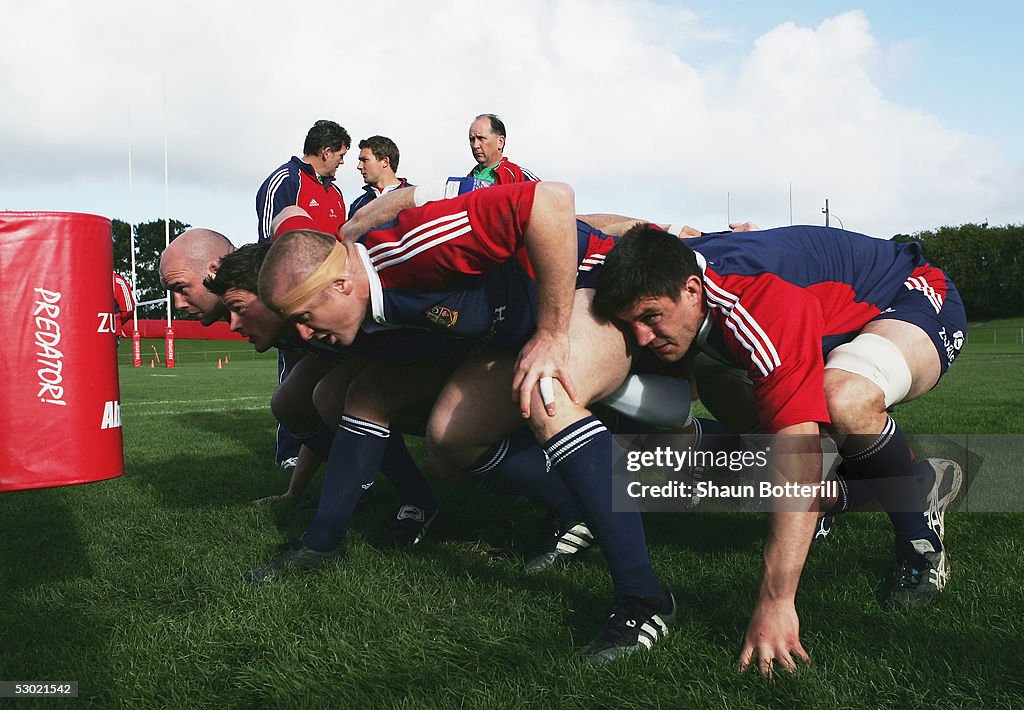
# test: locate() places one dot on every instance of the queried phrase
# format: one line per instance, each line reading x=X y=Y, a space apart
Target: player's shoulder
x=360 y=202
x=511 y=172
x=282 y=173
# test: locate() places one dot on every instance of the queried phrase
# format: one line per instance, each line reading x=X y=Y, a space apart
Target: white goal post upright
x=136 y=338
x=169 y=334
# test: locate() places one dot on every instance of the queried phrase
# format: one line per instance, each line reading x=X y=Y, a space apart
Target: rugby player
x=833 y=328
x=499 y=266
x=310 y=183
x=191 y=257
x=377 y=163
x=322 y=368
x=124 y=304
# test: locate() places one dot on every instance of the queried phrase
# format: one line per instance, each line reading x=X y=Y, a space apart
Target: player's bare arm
x=551 y=245
x=381 y=211
x=773 y=634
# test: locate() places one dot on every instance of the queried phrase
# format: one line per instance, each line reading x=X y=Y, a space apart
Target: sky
x=905 y=116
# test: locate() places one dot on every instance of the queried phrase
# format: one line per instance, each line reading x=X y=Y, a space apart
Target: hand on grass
x=773 y=635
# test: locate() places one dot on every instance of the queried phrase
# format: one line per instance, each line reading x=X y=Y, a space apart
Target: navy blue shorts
x=931 y=302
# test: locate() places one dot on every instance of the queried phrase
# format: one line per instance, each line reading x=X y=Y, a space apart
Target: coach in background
x=487 y=141
x=306 y=182
x=378 y=164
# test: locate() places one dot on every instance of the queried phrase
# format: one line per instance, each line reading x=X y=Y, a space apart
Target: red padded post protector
x=60 y=407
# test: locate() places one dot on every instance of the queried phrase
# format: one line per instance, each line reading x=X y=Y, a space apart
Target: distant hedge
x=986 y=264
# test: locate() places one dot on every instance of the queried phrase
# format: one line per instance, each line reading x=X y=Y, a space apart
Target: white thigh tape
x=877 y=359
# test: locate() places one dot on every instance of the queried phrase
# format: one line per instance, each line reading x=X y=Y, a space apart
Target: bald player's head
x=291 y=261
x=186 y=261
x=309 y=278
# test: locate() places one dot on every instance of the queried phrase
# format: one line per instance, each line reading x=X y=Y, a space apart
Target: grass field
x=133 y=587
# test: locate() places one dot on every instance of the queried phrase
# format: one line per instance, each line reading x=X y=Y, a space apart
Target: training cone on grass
x=227 y=360
x=152 y=364
x=220 y=365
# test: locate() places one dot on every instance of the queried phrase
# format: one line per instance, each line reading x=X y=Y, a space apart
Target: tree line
x=986 y=263
x=149 y=244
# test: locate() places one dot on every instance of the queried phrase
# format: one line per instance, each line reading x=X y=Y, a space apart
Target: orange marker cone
x=226 y=360
x=220 y=366
x=151 y=363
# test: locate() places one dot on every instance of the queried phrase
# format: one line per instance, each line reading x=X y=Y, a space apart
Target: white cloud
x=595 y=93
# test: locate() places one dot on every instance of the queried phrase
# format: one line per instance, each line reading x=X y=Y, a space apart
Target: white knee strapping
x=656 y=400
x=877 y=359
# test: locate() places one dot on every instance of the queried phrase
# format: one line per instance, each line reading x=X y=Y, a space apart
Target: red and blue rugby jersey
x=783 y=298
x=460 y=266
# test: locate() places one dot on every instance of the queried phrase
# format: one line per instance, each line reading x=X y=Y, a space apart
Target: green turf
x=133 y=586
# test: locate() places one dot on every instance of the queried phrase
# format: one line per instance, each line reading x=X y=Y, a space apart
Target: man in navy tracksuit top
x=306 y=182
x=378 y=164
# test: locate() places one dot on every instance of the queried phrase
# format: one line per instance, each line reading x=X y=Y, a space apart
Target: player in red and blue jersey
x=493 y=300
x=833 y=328
x=505 y=266
x=322 y=367
x=377 y=163
x=497 y=308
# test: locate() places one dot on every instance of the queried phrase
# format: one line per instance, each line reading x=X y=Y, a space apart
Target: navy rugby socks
x=518 y=466
x=398 y=467
x=360 y=449
x=885 y=464
x=582 y=454
x=351 y=469
x=711 y=431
